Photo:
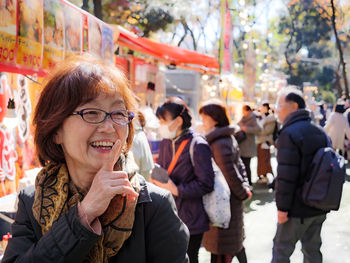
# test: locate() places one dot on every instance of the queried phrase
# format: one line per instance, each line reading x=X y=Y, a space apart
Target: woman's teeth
x=107 y=145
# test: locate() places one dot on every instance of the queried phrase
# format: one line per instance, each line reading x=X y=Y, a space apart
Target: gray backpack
x=323 y=188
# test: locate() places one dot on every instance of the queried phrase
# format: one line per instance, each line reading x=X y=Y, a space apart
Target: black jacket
x=298 y=141
x=158 y=234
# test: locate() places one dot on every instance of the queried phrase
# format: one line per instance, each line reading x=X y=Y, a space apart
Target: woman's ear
x=57 y=138
x=179 y=121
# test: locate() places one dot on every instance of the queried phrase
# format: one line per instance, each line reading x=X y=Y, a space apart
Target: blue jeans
x=307 y=230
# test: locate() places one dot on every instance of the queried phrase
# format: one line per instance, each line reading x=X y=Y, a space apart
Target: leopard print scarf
x=55 y=194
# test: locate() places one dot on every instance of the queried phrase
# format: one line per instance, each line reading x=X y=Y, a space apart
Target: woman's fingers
x=117 y=183
x=112 y=157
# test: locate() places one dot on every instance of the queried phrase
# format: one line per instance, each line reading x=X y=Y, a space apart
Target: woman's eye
x=119 y=114
x=91 y=112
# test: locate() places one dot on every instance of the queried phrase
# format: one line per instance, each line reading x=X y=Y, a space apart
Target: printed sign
x=53 y=33
x=73 y=31
x=3 y=96
x=30 y=33
x=8 y=12
x=24 y=107
x=107 y=43
x=8 y=153
x=95 y=37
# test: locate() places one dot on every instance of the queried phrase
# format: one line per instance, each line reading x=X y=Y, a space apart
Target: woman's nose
x=107 y=125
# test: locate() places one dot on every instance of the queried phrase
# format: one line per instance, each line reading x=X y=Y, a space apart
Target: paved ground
x=260 y=226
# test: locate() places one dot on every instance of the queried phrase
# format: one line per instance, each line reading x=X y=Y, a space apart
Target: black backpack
x=323 y=188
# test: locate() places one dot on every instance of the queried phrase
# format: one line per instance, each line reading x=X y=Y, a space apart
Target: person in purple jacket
x=187 y=182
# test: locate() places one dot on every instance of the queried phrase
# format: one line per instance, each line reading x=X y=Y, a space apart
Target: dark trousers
x=246 y=161
x=193 y=247
x=241 y=256
x=307 y=230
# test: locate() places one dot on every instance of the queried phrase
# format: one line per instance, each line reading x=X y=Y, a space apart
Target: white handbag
x=217 y=202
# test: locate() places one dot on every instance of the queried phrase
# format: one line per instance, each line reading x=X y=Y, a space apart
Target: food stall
x=34 y=36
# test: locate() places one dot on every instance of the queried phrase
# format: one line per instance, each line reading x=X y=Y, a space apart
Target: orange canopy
x=169 y=54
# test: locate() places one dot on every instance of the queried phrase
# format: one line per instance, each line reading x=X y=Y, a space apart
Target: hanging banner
x=30 y=33
x=53 y=33
x=228 y=42
x=107 y=43
x=36 y=34
x=85 y=33
x=24 y=107
x=95 y=37
x=73 y=31
x=4 y=89
x=8 y=15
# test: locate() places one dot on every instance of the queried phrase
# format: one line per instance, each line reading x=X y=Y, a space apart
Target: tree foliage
x=310 y=48
x=141 y=17
x=307 y=36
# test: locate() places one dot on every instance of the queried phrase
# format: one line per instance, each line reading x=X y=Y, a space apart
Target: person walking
x=298 y=142
x=188 y=181
x=225 y=244
x=337 y=126
x=250 y=126
x=84 y=206
x=264 y=141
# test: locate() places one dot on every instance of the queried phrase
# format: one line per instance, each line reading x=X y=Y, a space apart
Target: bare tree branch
x=187 y=28
x=340 y=50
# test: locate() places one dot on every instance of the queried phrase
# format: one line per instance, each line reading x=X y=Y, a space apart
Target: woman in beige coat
x=264 y=140
x=224 y=244
x=250 y=126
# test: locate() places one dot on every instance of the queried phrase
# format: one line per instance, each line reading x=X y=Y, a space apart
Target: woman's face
x=85 y=145
x=208 y=122
x=172 y=124
x=263 y=109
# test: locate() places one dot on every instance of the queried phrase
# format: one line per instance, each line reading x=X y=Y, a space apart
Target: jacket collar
x=184 y=135
x=269 y=118
x=249 y=117
x=299 y=115
x=220 y=132
x=144 y=196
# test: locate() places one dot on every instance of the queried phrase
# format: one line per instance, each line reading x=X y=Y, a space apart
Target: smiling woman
x=84 y=206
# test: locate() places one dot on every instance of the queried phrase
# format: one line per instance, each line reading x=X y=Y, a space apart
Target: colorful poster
x=53 y=33
x=73 y=31
x=7 y=31
x=95 y=37
x=30 y=33
x=7 y=161
x=107 y=43
x=24 y=107
x=85 y=33
x=8 y=154
x=4 y=88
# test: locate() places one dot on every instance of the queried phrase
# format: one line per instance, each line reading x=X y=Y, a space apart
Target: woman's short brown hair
x=74 y=82
x=217 y=111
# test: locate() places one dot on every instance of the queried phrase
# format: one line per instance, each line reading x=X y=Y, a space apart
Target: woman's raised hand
x=106 y=184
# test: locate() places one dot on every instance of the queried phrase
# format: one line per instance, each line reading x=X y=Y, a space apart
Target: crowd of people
x=98 y=197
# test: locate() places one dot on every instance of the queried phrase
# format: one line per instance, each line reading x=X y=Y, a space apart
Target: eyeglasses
x=95 y=116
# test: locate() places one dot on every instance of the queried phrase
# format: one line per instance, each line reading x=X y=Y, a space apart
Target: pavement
x=260 y=221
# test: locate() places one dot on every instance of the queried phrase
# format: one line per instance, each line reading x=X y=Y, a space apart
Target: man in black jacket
x=297 y=143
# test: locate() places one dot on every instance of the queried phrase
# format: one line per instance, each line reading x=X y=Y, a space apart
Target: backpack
x=323 y=188
x=216 y=203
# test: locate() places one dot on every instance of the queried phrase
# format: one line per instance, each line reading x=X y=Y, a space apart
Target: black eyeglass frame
x=130 y=114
